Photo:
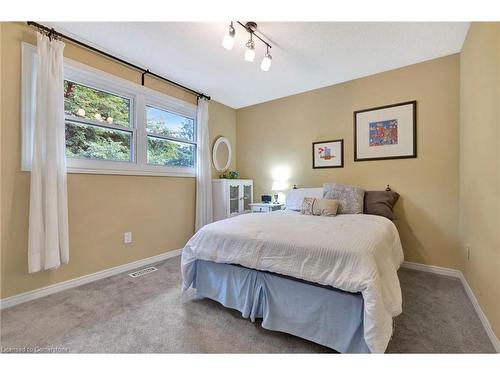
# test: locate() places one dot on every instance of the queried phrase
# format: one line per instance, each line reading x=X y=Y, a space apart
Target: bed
x=331 y=280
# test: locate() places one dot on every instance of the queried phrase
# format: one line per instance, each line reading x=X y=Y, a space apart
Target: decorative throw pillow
x=380 y=203
x=319 y=207
x=307 y=206
x=350 y=197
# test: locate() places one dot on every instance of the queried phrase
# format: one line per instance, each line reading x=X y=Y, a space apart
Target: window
x=114 y=126
x=170 y=138
x=97 y=124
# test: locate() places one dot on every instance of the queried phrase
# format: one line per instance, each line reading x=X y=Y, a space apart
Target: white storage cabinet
x=231 y=197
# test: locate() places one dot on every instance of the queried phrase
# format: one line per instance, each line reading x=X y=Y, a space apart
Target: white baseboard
x=433 y=269
x=459 y=275
x=59 y=287
x=480 y=313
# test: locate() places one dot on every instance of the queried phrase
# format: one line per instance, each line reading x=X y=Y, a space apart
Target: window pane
x=169 y=124
x=165 y=152
x=82 y=101
x=94 y=142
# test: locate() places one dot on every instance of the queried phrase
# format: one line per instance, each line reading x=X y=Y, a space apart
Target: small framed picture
x=388 y=132
x=328 y=154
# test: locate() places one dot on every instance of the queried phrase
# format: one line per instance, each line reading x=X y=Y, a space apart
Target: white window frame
x=154 y=101
x=139 y=97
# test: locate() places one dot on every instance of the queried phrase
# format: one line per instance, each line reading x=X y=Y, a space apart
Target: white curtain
x=203 y=170
x=48 y=220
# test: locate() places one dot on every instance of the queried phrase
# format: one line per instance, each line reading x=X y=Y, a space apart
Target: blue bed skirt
x=327 y=316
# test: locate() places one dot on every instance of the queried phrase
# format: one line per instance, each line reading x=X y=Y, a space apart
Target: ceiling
x=306 y=55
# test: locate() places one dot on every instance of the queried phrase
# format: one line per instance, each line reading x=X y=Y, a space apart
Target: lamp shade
x=228 y=42
x=250 y=54
x=266 y=63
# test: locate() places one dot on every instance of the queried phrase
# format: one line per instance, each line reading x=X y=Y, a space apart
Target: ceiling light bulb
x=266 y=62
x=250 y=52
x=228 y=41
x=250 y=55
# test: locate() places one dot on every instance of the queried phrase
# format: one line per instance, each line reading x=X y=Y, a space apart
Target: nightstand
x=266 y=207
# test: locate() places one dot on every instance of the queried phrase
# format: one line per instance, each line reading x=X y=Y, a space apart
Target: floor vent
x=143 y=272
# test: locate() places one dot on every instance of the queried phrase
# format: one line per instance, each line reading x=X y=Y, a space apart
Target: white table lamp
x=277 y=187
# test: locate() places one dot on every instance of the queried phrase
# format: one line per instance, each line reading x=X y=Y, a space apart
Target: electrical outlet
x=127 y=237
x=467 y=251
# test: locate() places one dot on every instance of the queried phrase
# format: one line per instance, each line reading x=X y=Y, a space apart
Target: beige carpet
x=145 y=315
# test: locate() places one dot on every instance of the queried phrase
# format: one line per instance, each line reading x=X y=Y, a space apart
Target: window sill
x=130 y=172
x=137 y=172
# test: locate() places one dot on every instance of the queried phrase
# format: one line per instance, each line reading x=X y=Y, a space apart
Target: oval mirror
x=221 y=154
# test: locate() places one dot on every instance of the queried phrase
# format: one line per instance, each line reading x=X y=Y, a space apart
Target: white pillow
x=295 y=197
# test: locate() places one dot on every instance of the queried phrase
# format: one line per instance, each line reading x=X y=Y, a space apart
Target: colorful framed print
x=388 y=132
x=328 y=154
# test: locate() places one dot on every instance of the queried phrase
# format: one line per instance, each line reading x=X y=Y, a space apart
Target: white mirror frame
x=217 y=143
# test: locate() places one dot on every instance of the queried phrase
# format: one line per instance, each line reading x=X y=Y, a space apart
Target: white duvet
x=355 y=253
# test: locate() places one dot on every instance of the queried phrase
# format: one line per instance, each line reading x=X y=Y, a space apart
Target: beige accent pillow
x=319 y=207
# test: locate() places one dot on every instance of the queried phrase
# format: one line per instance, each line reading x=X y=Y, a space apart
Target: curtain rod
x=52 y=32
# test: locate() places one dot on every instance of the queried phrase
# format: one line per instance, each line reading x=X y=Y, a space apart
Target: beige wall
x=222 y=123
x=480 y=165
x=158 y=210
x=278 y=134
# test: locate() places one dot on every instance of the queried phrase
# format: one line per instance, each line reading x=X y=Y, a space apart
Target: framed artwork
x=388 y=132
x=328 y=154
